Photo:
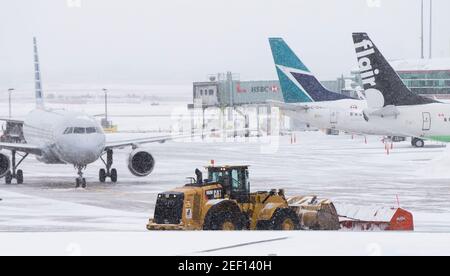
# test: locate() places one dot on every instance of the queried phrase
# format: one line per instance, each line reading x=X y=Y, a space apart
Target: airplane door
x=334 y=117
x=426 y=121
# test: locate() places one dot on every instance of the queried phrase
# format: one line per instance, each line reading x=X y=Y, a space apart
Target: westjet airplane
x=310 y=102
x=65 y=137
x=392 y=104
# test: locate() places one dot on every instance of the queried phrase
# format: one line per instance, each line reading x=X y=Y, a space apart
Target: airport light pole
x=431 y=29
x=10 y=92
x=422 y=32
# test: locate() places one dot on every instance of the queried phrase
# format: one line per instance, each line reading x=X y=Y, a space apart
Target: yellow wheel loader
x=224 y=202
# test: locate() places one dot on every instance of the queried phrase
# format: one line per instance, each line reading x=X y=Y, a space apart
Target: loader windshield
x=238 y=180
x=217 y=177
x=235 y=181
x=240 y=185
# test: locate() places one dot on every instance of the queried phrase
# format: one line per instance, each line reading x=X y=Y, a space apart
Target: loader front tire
x=285 y=220
x=223 y=221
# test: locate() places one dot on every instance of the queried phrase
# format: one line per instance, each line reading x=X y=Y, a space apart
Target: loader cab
x=234 y=180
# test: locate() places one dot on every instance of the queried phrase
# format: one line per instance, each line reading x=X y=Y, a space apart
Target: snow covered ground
x=49 y=216
x=226 y=244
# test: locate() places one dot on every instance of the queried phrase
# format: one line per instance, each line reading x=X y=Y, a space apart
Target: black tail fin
x=382 y=84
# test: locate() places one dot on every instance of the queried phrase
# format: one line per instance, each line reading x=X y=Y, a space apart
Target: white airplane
x=64 y=137
x=310 y=102
x=392 y=104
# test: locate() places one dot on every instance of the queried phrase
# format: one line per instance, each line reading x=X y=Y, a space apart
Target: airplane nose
x=81 y=150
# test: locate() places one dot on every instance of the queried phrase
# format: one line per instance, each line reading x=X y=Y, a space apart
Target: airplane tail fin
x=298 y=84
x=383 y=86
x=37 y=77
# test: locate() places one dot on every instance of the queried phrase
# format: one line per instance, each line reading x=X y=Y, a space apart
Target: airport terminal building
x=425 y=77
x=226 y=90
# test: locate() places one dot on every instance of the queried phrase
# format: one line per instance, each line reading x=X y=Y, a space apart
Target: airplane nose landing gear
x=81 y=181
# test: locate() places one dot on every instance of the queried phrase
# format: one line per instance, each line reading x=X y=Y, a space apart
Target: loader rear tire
x=285 y=220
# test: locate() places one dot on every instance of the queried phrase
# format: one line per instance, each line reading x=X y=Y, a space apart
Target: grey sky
x=178 y=41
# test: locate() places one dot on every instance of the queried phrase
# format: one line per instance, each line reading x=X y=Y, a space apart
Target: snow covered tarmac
x=345 y=170
x=226 y=244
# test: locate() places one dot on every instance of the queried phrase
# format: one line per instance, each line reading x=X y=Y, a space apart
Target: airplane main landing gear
x=417 y=142
x=108 y=172
x=15 y=173
x=81 y=181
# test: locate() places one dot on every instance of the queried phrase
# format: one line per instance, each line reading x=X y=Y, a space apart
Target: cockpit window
x=79 y=130
x=68 y=130
x=91 y=130
x=82 y=130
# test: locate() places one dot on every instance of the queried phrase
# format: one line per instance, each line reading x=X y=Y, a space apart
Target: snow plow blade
x=375 y=219
x=315 y=213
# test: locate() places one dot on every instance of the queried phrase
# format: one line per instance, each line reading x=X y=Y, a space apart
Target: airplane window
x=68 y=130
x=91 y=130
x=79 y=130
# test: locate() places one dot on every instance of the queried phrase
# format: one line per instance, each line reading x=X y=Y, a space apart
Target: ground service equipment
x=224 y=202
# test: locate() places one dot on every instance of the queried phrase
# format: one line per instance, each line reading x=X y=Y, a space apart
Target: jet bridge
x=13 y=132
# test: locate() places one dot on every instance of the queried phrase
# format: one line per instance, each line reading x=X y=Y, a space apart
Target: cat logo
x=214 y=194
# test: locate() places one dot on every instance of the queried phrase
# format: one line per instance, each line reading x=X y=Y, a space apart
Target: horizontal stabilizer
x=387 y=111
x=288 y=106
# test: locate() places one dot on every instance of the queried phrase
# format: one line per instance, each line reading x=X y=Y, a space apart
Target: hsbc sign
x=258 y=89
x=264 y=89
x=242 y=92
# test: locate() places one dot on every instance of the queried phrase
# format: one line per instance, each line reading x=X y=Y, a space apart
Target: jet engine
x=5 y=165
x=141 y=163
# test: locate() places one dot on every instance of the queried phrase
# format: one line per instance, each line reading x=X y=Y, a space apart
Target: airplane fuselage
x=345 y=115
x=428 y=121
x=65 y=137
